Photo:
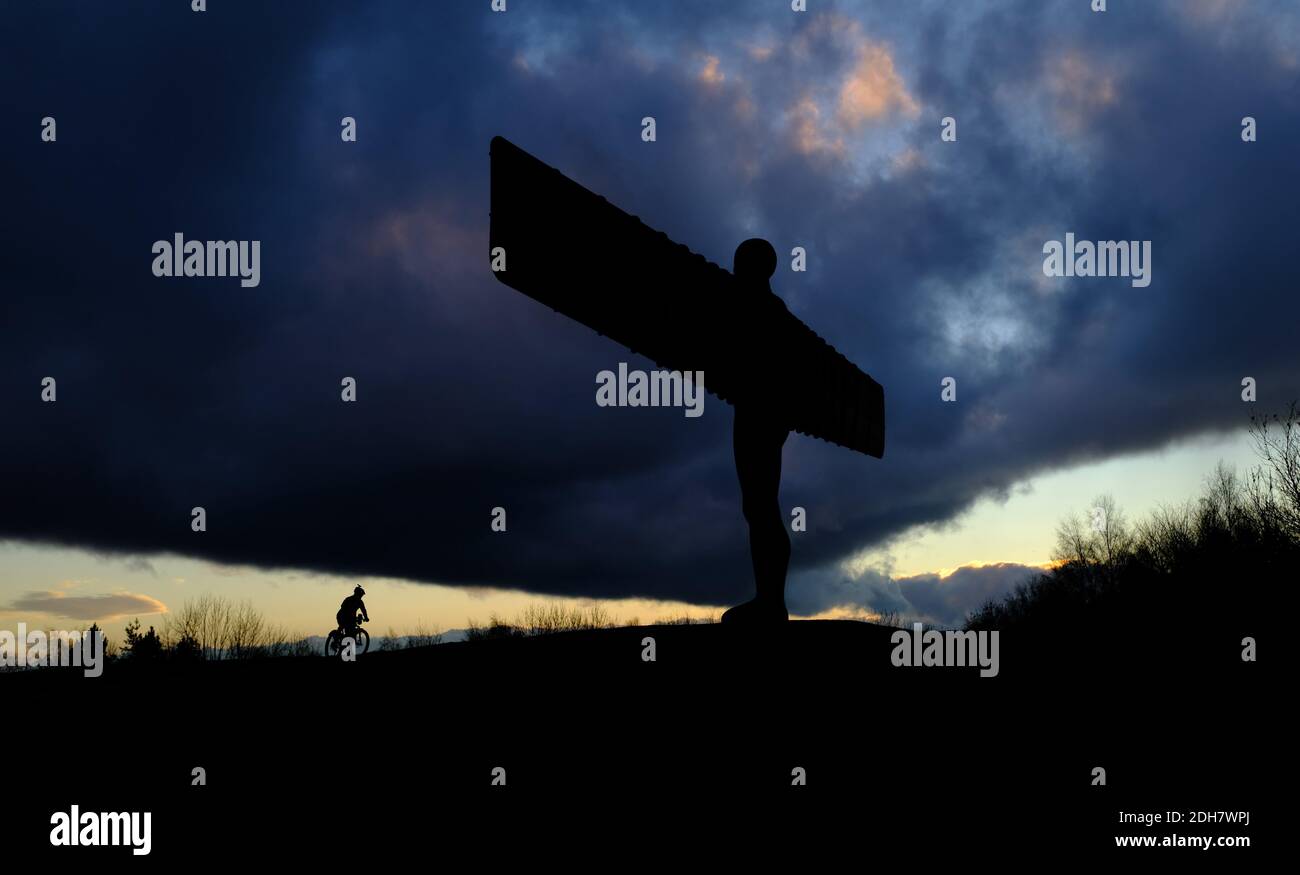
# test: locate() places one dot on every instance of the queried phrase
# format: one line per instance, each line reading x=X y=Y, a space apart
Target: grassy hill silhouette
x=1127 y=655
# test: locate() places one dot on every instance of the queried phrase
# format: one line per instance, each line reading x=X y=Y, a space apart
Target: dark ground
x=597 y=744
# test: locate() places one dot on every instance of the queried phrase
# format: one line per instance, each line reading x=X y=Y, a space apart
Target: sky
x=818 y=129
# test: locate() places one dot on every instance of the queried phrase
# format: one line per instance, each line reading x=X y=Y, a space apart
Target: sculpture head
x=754 y=261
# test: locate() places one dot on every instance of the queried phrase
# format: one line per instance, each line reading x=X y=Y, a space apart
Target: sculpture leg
x=757 y=442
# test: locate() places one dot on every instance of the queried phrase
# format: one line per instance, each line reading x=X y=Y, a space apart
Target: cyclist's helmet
x=358 y=591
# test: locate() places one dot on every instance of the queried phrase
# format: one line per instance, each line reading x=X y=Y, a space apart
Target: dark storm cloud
x=948 y=599
x=924 y=263
x=943 y=600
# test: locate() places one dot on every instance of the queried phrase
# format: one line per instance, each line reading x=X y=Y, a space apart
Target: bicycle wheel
x=332 y=643
x=363 y=641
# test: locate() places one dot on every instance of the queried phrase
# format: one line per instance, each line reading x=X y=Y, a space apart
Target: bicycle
x=360 y=637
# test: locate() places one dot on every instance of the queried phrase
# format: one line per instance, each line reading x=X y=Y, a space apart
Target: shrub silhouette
x=423 y=636
x=211 y=627
x=143 y=646
x=186 y=649
x=545 y=619
x=496 y=628
x=110 y=648
x=1213 y=562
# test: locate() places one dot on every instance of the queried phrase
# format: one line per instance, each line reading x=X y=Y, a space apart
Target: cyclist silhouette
x=347 y=615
